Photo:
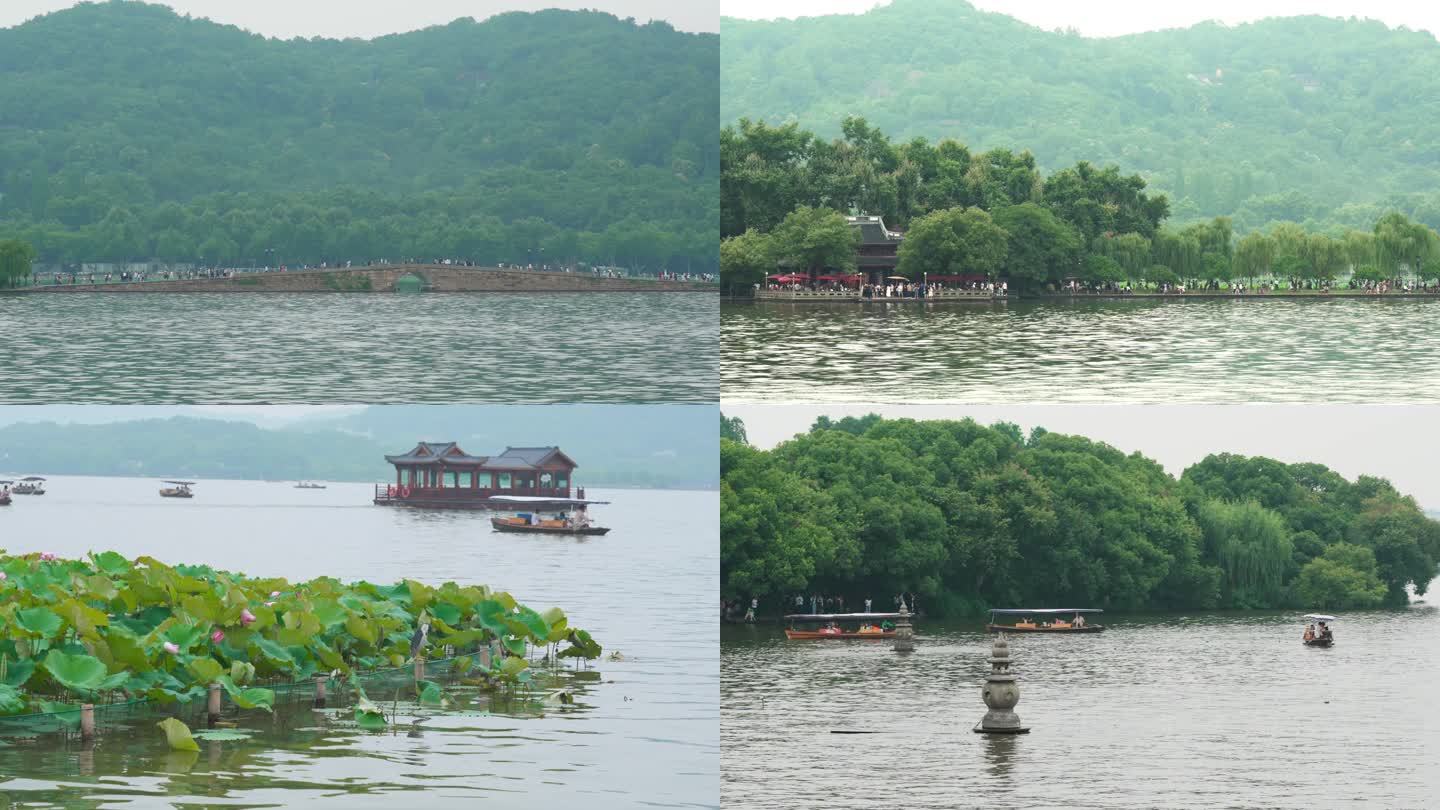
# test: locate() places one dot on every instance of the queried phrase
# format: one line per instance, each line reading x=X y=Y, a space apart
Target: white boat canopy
x=541 y=499
x=1040 y=611
x=840 y=617
x=1320 y=617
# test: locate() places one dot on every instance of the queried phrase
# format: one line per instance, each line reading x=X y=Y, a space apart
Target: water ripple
x=160 y=348
x=1367 y=350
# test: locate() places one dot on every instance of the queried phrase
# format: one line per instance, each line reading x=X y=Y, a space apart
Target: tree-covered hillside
x=128 y=132
x=1308 y=118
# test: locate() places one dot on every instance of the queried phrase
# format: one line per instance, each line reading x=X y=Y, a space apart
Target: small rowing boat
x=181 y=489
x=1317 y=633
x=574 y=522
x=866 y=625
x=1077 y=623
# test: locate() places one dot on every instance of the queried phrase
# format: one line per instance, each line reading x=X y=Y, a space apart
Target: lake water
x=260 y=348
x=1197 y=710
x=1144 y=350
x=645 y=733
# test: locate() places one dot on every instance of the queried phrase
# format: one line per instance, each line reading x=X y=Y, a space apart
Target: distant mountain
x=130 y=132
x=1305 y=118
x=665 y=446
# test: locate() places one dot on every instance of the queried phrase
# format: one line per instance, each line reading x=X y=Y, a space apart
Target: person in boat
x=750 y=614
x=1078 y=622
x=831 y=629
x=1310 y=632
x=1324 y=631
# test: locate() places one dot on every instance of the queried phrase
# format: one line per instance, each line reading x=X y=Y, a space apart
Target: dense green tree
x=1040 y=247
x=733 y=429
x=1343 y=577
x=953 y=242
x=746 y=259
x=814 y=239
x=970 y=516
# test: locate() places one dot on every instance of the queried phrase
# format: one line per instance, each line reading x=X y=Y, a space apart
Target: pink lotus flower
x=246 y=617
x=47 y=556
x=172 y=648
x=269 y=604
x=217 y=636
x=274 y=594
x=4 y=576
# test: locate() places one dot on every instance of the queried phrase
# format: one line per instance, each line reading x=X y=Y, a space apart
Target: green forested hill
x=1307 y=118
x=130 y=132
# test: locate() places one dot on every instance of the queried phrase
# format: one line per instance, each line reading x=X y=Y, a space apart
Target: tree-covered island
x=969 y=517
x=994 y=215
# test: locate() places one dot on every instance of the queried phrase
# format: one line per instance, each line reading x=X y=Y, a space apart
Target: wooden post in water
x=419 y=667
x=212 y=705
x=320 y=690
x=87 y=721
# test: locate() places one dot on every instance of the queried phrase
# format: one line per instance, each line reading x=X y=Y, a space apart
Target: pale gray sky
x=1103 y=18
x=372 y=18
x=1398 y=442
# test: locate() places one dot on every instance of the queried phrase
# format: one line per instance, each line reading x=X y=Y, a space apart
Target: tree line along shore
x=971 y=517
x=993 y=215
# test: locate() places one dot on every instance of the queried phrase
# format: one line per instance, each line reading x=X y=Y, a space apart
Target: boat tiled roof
x=514 y=458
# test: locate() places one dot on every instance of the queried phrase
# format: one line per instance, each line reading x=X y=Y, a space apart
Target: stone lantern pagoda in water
x=1000 y=693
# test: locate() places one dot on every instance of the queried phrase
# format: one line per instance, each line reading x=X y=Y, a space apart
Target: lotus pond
x=574 y=732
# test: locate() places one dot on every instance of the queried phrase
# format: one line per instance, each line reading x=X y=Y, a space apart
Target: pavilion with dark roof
x=441 y=471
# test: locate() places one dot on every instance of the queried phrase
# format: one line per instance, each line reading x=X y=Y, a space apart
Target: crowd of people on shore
x=738 y=610
x=184 y=273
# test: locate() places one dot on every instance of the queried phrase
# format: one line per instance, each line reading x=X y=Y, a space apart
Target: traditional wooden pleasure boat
x=29 y=485
x=1318 y=636
x=827 y=625
x=575 y=522
x=1077 y=624
x=181 y=489
x=440 y=475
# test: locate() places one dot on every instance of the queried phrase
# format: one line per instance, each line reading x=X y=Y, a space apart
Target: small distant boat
x=867 y=625
x=309 y=485
x=29 y=485
x=1058 y=625
x=1321 y=636
x=575 y=522
x=181 y=489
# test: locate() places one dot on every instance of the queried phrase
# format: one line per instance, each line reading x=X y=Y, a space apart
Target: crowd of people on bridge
x=739 y=610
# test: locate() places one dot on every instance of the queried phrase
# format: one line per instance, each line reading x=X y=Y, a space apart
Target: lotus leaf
x=206 y=670
x=184 y=636
x=242 y=672
x=252 y=698
x=554 y=618
x=512 y=666
x=178 y=735
x=111 y=562
x=67 y=714
x=430 y=693
x=445 y=612
x=516 y=646
x=78 y=673
x=39 y=621
x=273 y=652
x=125 y=649
x=11 y=700
x=18 y=672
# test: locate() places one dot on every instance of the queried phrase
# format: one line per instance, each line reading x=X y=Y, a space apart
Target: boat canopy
x=184 y=483
x=521 y=499
x=1040 y=611
x=1320 y=617
x=32 y=478
x=840 y=617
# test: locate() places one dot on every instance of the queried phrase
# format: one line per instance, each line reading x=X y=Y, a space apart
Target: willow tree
x=1402 y=245
x=1254 y=256
x=16 y=258
x=1252 y=546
